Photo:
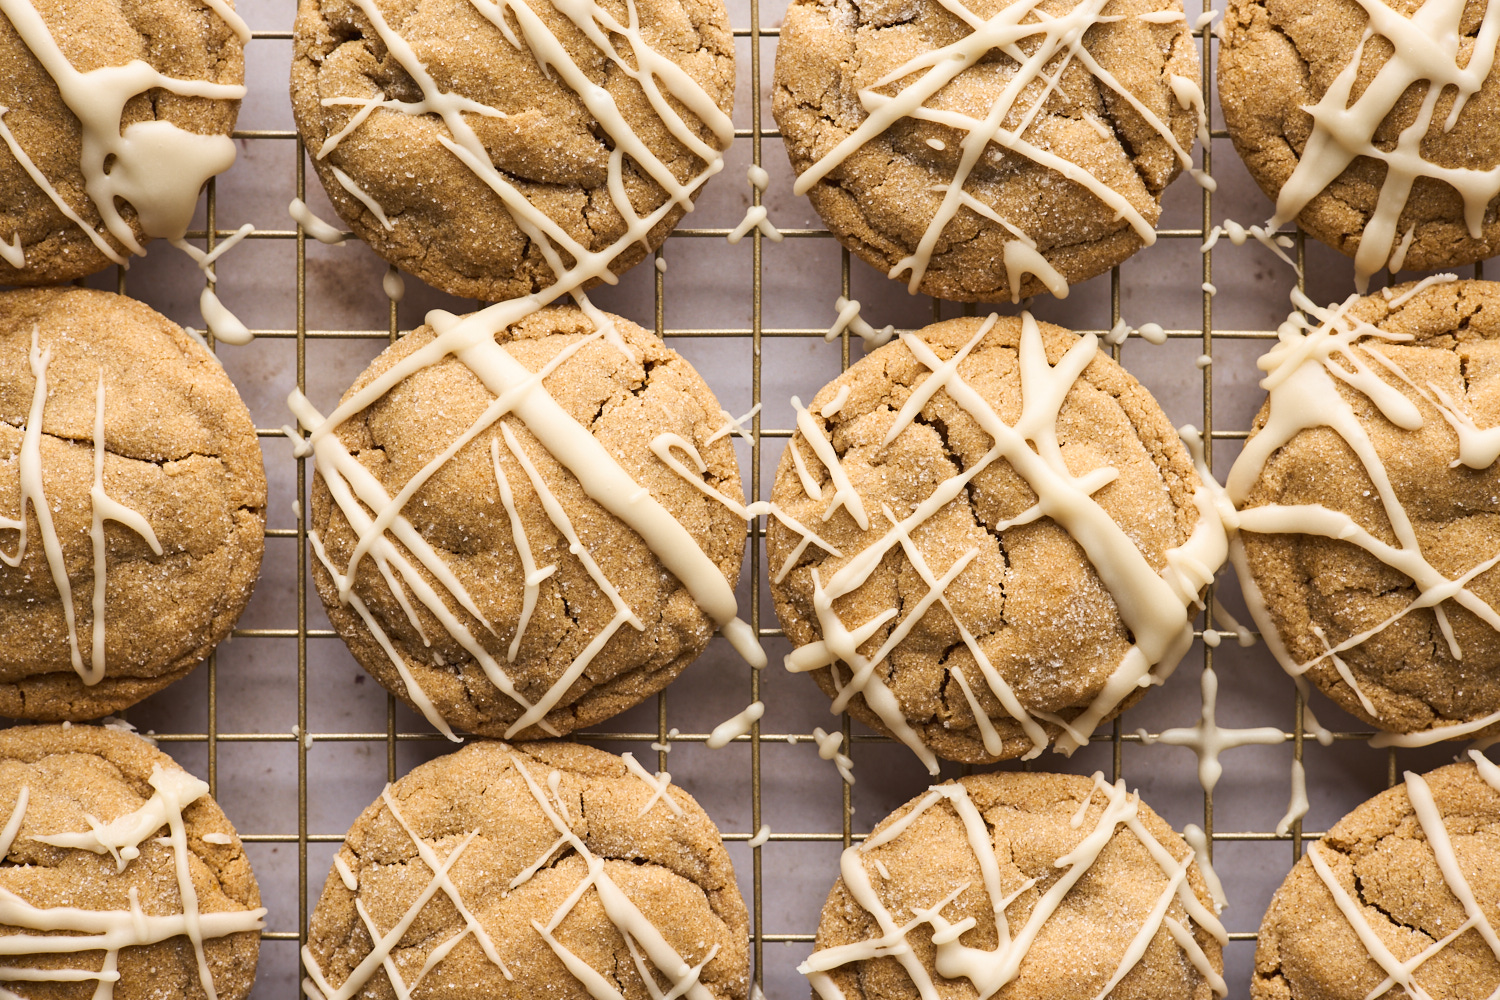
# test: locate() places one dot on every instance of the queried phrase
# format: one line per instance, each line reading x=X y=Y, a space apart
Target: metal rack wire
x=754 y=133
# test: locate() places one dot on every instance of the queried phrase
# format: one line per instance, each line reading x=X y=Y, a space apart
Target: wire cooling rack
x=283 y=774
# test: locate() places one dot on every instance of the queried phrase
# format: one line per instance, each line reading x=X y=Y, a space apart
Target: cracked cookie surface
x=831 y=62
x=1030 y=599
x=448 y=226
x=1396 y=667
x=526 y=886
x=180 y=451
x=1382 y=860
x=180 y=38
x=625 y=403
x=1280 y=58
x=75 y=779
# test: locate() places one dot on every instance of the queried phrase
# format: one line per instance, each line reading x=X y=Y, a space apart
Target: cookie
x=113 y=115
x=1029 y=884
x=1405 y=886
x=987 y=537
x=934 y=154
x=105 y=838
x=537 y=565
x=1371 y=123
x=550 y=869
x=496 y=150
x=130 y=483
x=1369 y=503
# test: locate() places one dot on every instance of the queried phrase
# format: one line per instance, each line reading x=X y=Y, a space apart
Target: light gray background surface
x=708 y=285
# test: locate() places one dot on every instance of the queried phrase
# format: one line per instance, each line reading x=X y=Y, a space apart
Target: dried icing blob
x=1367 y=493
x=988 y=150
x=487 y=147
x=1020 y=885
x=132 y=503
x=550 y=869
x=112 y=118
x=1397 y=899
x=994 y=543
x=530 y=533
x=122 y=877
x=1371 y=123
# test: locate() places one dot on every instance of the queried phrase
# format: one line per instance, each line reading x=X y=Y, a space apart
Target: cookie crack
x=88 y=442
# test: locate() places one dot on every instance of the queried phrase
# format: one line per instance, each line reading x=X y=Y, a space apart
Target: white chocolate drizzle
x=1266 y=236
x=393 y=284
x=315 y=227
x=521 y=394
x=1319 y=349
x=1208 y=739
x=849 y=319
x=658 y=785
x=1425 y=50
x=735 y=726
x=644 y=940
x=1157 y=607
x=755 y=215
x=989 y=970
x=828 y=749
x=1297 y=804
x=761 y=836
x=1198 y=841
x=86 y=930
x=1402 y=972
x=104 y=508
x=1042 y=49
x=154 y=166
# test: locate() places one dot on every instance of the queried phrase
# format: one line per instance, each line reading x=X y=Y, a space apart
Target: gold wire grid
x=755 y=565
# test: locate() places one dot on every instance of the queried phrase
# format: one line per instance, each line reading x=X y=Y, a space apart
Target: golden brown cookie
x=1413 y=872
x=483 y=146
x=106 y=838
x=180 y=501
x=993 y=557
x=549 y=869
x=1022 y=886
x=154 y=155
x=522 y=605
x=1331 y=106
x=880 y=105
x=1369 y=500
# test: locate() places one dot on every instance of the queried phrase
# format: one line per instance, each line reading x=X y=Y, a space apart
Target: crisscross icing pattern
x=1043 y=46
x=109 y=931
x=990 y=970
x=1426 y=51
x=375 y=515
x=644 y=940
x=1320 y=349
x=1157 y=607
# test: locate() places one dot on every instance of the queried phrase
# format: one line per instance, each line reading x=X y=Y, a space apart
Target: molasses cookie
x=494 y=150
x=533 y=532
x=105 y=838
x=550 y=869
x=112 y=116
x=132 y=503
x=1026 y=885
x=1369 y=499
x=1405 y=887
x=1371 y=123
x=937 y=156
x=986 y=537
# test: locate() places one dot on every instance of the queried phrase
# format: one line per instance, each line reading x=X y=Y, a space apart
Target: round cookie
x=566 y=872
x=105 y=837
x=1057 y=876
x=1365 y=488
x=961 y=617
x=1414 y=867
x=513 y=596
x=504 y=140
x=1319 y=114
x=126 y=177
x=1070 y=181
x=182 y=507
